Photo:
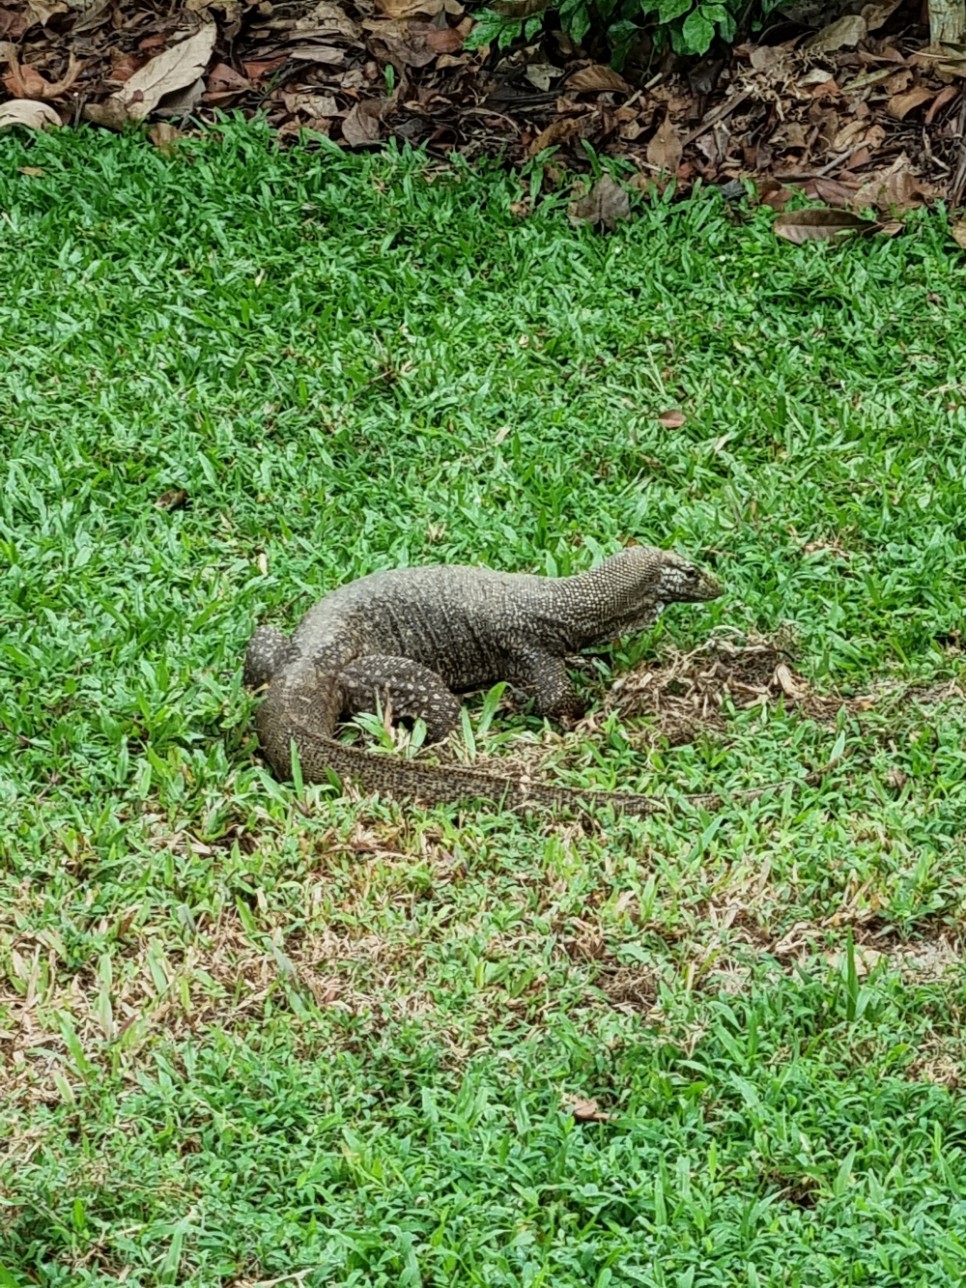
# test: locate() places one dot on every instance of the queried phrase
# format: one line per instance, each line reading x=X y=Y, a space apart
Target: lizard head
x=681 y=581
x=628 y=592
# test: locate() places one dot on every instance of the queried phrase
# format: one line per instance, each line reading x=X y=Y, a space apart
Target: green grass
x=251 y=1037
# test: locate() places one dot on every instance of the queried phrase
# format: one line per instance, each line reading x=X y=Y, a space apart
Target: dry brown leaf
x=409 y=8
x=43 y=10
x=900 y=105
x=124 y=65
x=844 y=33
x=182 y=101
x=558 y=131
x=898 y=82
x=163 y=135
x=770 y=58
x=665 y=148
x=541 y=74
x=849 y=134
x=224 y=79
x=877 y=15
x=404 y=40
x=832 y=191
x=28 y=112
x=897 y=188
x=822 y=224
x=363 y=125
x=24 y=82
x=584 y=1111
x=13 y=23
x=671 y=419
x=789 y=685
x=603 y=206
x=597 y=79
x=175 y=498
x=445 y=40
x=940 y=101
x=313 y=104
x=259 y=68
x=958 y=233
x=774 y=194
x=326 y=22
x=178 y=66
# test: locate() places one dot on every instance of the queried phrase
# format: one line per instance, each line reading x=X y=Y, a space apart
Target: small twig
x=959 y=182
x=712 y=119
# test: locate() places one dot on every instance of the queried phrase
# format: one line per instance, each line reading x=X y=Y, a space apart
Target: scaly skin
x=415 y=637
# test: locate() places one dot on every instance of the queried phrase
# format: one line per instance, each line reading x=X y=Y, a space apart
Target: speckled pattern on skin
x=413 y=638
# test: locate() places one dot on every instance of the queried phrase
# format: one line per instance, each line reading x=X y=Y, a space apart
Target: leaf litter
x=861 y=114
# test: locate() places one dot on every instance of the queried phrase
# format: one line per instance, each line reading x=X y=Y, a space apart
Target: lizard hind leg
x=268 y=650
x=411 y=690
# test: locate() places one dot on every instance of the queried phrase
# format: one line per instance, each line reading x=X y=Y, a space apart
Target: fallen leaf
x=788 y=684
x=43 y=10
x=558 y=131
x=541 y=74
x=671 y=419
x=176 y=67
x=844 y=33
x=770 y=58
x=408 y=8
x=832 y=191
x=25 y=82
x=27 y=112
x=584 y=1111
x=222 y=79
x=325 y=22
x=162 y=135
x=896 y=188
x=665 y=148
x=939 y=102
x=404 y=40
x=817 y=76
x=597 y=79
x=774 y=194
x=175 y=498
x=328 y=55
x=603 y=206
x=900 y=105
x=899 y=81
x=849 y=134
x=445 y=40
x=256 y=69
x=958 y=233
x=363 y=125
x=182 y=101
x=822 y=224
x=124 y=65
x=790 y=135
x=313 y=104
x=877 y=15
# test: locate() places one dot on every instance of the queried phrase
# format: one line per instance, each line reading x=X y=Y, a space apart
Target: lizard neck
x=603 y=604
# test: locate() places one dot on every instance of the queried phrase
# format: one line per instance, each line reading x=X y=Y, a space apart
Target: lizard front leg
x=545 y=678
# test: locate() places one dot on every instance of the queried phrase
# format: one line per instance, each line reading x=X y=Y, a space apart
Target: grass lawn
x=251 y=1036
